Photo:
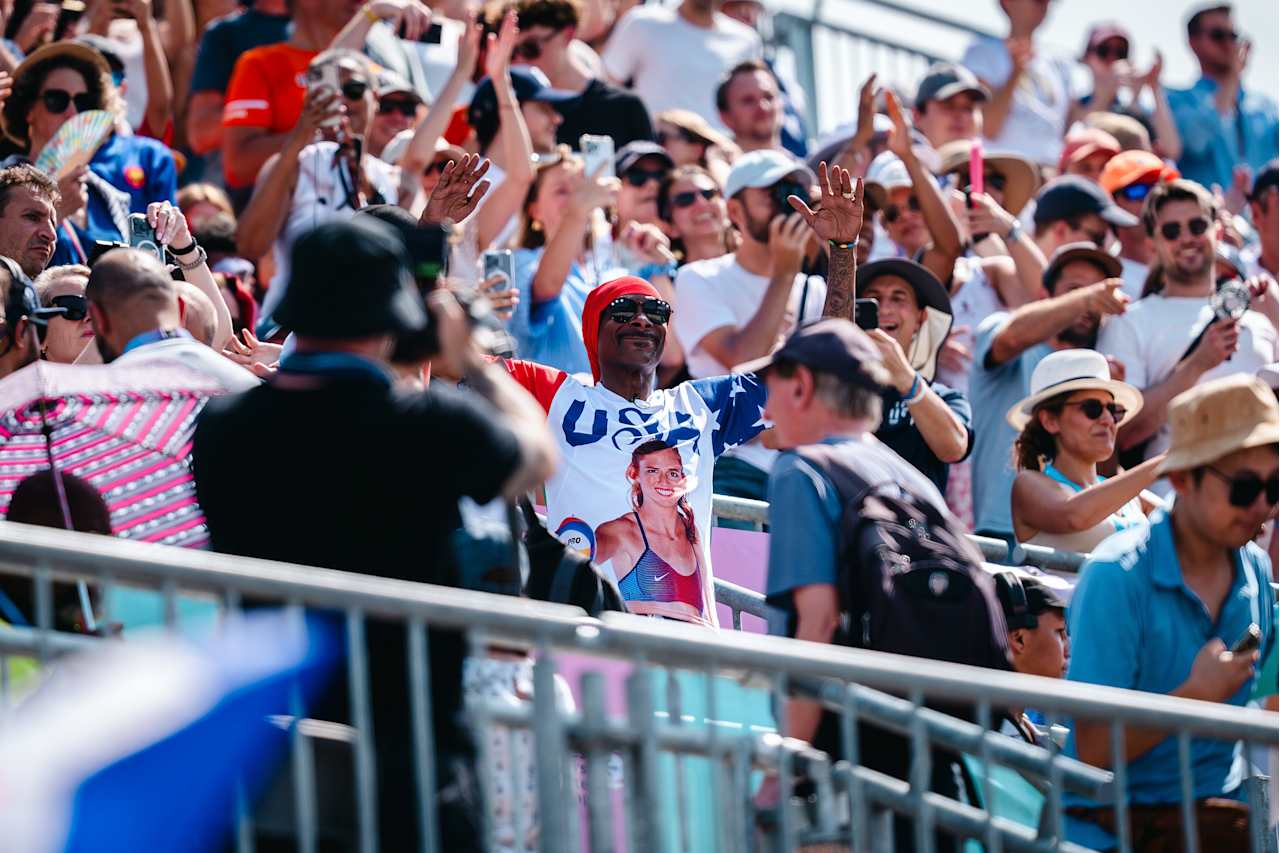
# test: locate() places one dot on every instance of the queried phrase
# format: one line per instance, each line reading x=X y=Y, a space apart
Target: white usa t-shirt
x=612 y=447
x=673 y=64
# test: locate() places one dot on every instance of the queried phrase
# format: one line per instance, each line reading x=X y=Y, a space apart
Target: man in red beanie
x=634 y=489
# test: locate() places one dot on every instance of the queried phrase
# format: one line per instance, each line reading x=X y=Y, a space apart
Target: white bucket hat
x=1073 y=370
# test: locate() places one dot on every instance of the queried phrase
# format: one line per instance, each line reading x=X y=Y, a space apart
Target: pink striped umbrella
x=126 y=429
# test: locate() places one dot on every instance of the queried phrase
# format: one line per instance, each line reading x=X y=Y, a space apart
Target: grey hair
x=844 y=398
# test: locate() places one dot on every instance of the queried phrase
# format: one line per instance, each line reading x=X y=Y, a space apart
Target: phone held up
x=597 y=152
x=499 y=262
x=143 y=237
x=866 y=314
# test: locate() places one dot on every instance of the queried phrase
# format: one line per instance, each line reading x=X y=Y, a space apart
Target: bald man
x=136 y=316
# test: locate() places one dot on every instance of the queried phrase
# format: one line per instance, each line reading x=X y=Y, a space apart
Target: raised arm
x=1025 y=282
x=1168 y=141
x=837 y=220
x=513 y=138
x=1039 y=321
x=155 y=66
x=173 y=233
x=407 y=15
x=1042 y=505
x=565 y=246
x=996 y=110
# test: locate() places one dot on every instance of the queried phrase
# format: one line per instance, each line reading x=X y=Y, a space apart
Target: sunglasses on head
x=1093 y=409
x=1107 y=54
x=74 y=308
x=893 y=212
x=1245 y=487
x=395 y=105
x=353 y=90
x=640 y=177
x=1134 y=192
x=1220 y=34
x=57 y=100
x=1173 y=230
x=687 y=199
x=624 y=310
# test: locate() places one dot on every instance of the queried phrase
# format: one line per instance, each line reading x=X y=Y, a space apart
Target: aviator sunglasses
x=1246 y=486
x=624 y=310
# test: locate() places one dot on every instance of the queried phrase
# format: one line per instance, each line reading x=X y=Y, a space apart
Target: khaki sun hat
x=1220 y=417
x=1073 y=370
x=1021 y=176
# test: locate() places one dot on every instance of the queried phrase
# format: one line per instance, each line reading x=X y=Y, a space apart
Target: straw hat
x=1220 y=417
x=1021 y=176
x=1073 y=370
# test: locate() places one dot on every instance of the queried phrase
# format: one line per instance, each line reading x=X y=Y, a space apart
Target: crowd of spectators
x=363 y=205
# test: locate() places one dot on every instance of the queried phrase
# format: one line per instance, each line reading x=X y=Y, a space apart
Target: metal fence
x=850 y=805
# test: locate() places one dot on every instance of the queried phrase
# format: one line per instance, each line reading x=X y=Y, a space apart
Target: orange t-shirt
x=266 y=90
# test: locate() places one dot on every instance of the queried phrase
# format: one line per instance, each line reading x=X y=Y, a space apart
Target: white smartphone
x=597 y=151
x=325 y=76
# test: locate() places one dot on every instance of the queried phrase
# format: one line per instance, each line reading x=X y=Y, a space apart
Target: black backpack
x=911 y=582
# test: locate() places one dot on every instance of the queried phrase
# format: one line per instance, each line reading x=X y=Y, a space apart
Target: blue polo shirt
x=1134 y=623
x=1213 y=143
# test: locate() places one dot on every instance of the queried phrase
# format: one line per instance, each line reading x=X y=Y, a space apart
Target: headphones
x=22 y=300
x=1019 y=613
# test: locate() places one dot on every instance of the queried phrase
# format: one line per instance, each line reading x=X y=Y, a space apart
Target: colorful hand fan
x=75 y=143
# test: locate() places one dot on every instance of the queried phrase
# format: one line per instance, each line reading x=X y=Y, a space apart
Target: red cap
x=1131 y=167
x=1084 y=142
x=597 y=300
x=1102 y=32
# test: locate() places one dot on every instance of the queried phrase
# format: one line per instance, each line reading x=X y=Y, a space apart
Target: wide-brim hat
x=1021 y=176
x=53 y=50
x=931 y=296
x=1220 y=417
x=1073 y=370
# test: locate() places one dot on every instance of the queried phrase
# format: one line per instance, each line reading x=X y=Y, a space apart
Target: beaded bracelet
x=848 y=247
x=917 y=392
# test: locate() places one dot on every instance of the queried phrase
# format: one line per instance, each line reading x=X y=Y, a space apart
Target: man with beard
x=1170 y=341
x=133 y=305
x=1084 y=286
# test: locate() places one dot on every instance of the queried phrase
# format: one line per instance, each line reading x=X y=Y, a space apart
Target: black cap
x=350 y=279
x=1267 y=178
x=946 y=79
x=1072 y=195
x=929 y=291
x=1024 y=597
x=21 y=298
x=1064 y=255
x=833 y=345
x=529 y=83
x=425 y=245
x=633 y=152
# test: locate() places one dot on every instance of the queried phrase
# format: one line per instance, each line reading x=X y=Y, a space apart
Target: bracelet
x=201 y=258
x=848 y=247
x=370 y=14
x=185 y=250
x=917 y=392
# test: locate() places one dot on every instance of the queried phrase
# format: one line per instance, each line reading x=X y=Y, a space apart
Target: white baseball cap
x=886 y=173
x=764 y=168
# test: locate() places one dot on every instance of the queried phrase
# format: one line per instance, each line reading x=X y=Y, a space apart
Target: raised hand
x=503 y=299
x=170 y=224
x=1020 y=54
x=592 y=191
x=788 y=239
x=469 y=46
x=319 y=105
x=37 y=28
x=867 y=109
x=497 y=58
x=839 y=215
x=458 y=192
x=899 y=141
x=409 y=18
x=1152 y=78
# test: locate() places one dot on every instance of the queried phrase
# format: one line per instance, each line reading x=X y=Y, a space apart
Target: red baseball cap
x=1136 y=166
x=1084 y=143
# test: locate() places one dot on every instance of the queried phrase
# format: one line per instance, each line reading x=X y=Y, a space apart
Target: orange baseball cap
x=1131 y=167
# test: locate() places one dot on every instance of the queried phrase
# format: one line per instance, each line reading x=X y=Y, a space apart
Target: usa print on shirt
x=634 y=487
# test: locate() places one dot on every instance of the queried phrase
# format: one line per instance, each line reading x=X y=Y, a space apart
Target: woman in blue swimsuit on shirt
x=654 y=547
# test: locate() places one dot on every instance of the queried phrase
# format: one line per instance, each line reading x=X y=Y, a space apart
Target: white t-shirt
x=598 y=434
x=1134 y=275
x=196 y=356
x=673 y=64
x=718 y=292
x=1152 y=336
x=320 y=195
x=1037 y=118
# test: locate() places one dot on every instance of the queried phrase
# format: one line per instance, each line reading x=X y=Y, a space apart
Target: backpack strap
x=827 y=460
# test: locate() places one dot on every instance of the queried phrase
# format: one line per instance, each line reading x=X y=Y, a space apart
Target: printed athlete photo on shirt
x=653 y=549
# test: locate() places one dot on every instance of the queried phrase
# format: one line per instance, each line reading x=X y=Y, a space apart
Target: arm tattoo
x=842 y=269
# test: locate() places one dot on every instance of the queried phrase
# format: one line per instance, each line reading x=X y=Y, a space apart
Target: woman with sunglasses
x=693 y=209
x=691 y=141
x=68 y=334
x=1106 y=55
x=1068 y=426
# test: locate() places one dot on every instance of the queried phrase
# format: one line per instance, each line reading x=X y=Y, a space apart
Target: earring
x=535 y=225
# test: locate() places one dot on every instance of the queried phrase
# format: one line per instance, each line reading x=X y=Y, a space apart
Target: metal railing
x=996 y=551
x=853 y=802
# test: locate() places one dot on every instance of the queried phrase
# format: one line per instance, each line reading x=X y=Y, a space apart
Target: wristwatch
x=1015 y=232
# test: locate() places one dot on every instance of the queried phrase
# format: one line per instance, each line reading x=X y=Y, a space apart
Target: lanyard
x=152 y=337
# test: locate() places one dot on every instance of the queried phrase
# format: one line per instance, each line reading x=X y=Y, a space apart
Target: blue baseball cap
x=529 y=83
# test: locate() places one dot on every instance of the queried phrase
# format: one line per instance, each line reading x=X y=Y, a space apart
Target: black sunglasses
x=1106 y=54
x=640 y=177
x=1246 y=486
x=991 y=180
x=74 y=308
x=57 y=100
x=893 y=212
x=1173 y=230
x=353 y=90
x=531 y=48
x=1135 y=192
x=624 y=310
x=1221 y=34
x=1093 y=409
x=687 y=199
x=1097 y=238
x=406 y=108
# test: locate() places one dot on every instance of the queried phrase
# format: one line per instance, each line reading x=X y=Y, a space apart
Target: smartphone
x=499 y=262
x=143 y=237
x=597 y=151
x=866 y=313
x=1248 y=641
x=71 y=12
x=433 y=33
x=325 y=76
